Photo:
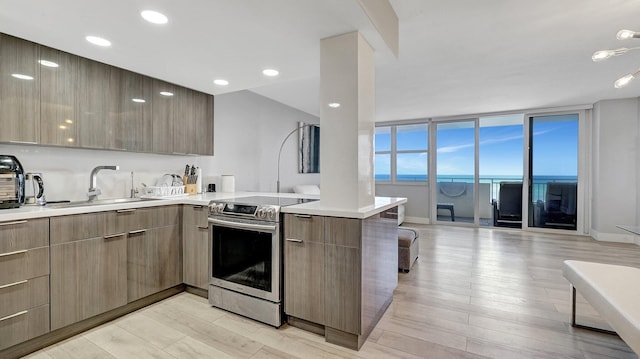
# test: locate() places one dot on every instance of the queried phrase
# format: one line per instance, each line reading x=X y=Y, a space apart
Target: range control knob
x=271 y=213
x=219 y=208
x=261 y=213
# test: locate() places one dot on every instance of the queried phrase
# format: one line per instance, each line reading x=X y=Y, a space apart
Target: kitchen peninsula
x=137 y=236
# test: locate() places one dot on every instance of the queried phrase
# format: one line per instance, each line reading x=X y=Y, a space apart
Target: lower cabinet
x=340 y=273
x=153 y=262
x=304 y=260
x=24 y=280
x=195 y=244
x=129 y=254
x=88 y=277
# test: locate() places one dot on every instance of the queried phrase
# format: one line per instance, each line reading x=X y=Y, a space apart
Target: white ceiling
x=456 y=57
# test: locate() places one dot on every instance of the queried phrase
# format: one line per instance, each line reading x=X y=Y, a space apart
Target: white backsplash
x=66 y=171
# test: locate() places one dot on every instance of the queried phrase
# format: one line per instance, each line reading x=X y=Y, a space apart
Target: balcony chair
x=507 y=210
x=560 y=205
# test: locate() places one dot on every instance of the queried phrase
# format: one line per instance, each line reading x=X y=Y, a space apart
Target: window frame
x=393 y=153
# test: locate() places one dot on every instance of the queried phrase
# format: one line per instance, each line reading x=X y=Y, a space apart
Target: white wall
x=248 y=130
x=615 y=186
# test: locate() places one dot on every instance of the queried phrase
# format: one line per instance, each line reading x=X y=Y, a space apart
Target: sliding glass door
x=501 y=156
x=553 y=171
x=455 y=172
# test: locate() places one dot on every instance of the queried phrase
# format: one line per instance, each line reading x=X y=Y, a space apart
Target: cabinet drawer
x=24 y=294
x=23 y=264
x=151 y=217
x=304 y=227
x=24 y=234
x=195 y=215
x=83 y=226
x=24 y=325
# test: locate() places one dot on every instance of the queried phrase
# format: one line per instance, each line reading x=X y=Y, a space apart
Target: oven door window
x=242 y=257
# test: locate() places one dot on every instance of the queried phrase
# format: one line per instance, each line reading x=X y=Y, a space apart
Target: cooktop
x=268 y=200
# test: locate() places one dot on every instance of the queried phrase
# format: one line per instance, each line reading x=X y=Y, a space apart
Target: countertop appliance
x=245 y=258
x=11 y=182
x=34 y=189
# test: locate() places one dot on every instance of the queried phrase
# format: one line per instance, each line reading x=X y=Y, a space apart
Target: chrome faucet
x=94 y=192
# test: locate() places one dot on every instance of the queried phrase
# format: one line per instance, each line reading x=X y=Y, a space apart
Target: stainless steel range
x=245 y=265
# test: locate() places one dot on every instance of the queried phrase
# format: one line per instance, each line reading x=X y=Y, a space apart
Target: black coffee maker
x=11 y=182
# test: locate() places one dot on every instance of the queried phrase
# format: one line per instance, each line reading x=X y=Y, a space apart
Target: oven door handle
x=239 y=225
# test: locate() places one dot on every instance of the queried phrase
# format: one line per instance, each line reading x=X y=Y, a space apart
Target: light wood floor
x=473 y=293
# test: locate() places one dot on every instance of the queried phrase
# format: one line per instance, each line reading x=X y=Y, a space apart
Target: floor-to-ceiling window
x=500 y=156
x=455 y=171
x=553 y=171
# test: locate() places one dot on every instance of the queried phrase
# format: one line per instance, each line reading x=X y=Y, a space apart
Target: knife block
x=191 y=188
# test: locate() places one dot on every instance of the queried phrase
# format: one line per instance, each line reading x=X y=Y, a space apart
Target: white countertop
x=313 y=208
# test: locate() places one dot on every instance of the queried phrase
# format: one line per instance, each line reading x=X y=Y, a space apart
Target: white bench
x=613 y=291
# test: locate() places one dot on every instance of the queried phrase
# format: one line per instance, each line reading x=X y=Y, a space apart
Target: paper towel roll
x=228 y=183
x=199 y=180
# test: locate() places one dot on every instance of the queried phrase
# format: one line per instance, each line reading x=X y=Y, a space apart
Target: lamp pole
x=282 y=146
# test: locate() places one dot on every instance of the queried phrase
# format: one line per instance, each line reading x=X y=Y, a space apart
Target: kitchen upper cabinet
x=130 y=122
x=58 y=81
x=51 y=97
x=195 y=246
x=163 y=116
x=95 y=109
x=184 y=130
x=304 y=267
x=203 y=123
x=19 y=90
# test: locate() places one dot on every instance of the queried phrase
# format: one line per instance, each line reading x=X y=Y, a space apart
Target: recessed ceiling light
x=69 y=139
x=22 y=77
x=334 y=105
x=221 y=82
x=270 y=72
x=98 y=41
x=47 y=63
x=62 y=127
x=138 y=100
x=166 y=93
x=154 y=17
x=68 y=121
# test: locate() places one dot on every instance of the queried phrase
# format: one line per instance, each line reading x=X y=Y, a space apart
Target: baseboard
x=614 y=237
x=416 y=220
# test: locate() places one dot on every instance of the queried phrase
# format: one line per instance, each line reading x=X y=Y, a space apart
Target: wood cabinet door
x=203 y=124
x=195 y=246
x=58 y=122
x=19 y=90
x=164 y=98
x=304 y=263
x=94 y=107
x=196 y=256
x=88 y=277
x=184 y=125
x=154 y=261
x=343 y=274
x=130 y=126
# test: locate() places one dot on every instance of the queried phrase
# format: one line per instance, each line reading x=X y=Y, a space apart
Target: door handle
x=13 y=253
x=295 y=240
x=12 y=223
x=138 y=231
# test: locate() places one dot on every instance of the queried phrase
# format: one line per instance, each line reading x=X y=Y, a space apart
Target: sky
x=555 y=148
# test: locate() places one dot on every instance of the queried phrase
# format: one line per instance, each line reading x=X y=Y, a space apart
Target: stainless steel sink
x=98 y=202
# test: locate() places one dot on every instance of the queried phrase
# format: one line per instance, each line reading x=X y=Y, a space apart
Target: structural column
x=347 y=115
